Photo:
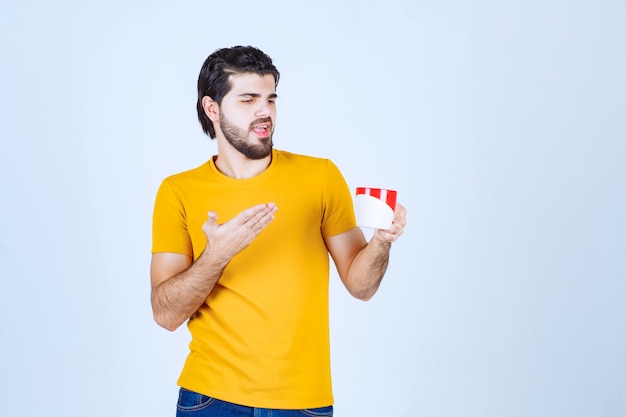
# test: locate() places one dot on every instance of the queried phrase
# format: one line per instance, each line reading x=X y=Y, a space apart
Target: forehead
x=252 y=83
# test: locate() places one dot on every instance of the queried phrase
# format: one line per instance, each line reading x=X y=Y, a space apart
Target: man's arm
x=361 y=265
x=180 y=286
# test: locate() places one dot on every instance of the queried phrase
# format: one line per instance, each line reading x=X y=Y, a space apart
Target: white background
x=501 y=123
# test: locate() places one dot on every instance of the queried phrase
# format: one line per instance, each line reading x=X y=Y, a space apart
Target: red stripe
x=391 y=199
x=376 y=192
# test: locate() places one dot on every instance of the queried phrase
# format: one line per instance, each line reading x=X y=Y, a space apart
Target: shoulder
x=196 y=173
x=310 y=171
x=184 y=183
x=294 y=159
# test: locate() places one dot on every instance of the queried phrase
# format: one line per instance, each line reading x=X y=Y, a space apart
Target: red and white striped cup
x=374 y=207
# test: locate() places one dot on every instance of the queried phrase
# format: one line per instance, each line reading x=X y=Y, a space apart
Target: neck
x=233 y=164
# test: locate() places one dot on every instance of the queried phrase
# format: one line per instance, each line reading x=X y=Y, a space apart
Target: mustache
x=262 y=120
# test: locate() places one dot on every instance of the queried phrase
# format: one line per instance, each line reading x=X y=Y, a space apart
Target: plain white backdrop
x=502 y=125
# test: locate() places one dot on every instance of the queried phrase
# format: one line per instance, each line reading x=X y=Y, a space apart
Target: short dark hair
x=214 y=78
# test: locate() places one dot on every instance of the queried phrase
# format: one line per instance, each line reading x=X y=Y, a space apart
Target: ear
x=211 y=108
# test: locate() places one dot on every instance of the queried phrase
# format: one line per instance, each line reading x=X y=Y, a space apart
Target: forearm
x=179 y=287
x=368 y=268
x=179 y=297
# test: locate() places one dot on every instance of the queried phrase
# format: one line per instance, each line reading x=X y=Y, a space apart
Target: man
x=240 y=250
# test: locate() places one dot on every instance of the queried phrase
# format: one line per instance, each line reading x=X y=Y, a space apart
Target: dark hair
x=214 y=78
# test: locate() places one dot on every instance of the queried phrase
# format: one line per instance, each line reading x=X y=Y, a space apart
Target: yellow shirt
x=261 y=338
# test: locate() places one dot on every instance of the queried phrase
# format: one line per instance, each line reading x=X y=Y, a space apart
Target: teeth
x=261 y=127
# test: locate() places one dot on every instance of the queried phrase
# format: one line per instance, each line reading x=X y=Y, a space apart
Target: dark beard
x=239 y=139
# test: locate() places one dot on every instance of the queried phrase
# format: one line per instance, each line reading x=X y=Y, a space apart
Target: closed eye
x=251 y=98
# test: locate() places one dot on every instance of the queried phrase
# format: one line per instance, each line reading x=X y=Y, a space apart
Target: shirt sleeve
x=338 y=214
x=169 y=224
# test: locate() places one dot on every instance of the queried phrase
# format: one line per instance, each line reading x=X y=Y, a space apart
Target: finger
x=400 y=211
x=399 y=216
x=386 y=236
x=263 y=217
x=259 y=222
x=211 y=221
x=393 y=233
x=250 y=214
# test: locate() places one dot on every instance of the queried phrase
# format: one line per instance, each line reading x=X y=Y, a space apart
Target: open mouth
x=262 y=129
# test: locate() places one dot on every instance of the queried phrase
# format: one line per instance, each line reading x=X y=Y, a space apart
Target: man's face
x=247 y=114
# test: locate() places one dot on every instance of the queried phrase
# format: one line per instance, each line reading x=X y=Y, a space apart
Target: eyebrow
x=273 y=95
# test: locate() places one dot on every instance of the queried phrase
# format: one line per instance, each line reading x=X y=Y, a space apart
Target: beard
x=240 y=139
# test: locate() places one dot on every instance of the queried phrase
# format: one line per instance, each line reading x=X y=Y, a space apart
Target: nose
x=264 y=109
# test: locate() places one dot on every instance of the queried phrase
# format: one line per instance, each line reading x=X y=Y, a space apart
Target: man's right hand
x=224 y=241
x=180 y=286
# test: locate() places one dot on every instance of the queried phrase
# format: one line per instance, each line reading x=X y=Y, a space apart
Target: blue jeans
x=192 y=404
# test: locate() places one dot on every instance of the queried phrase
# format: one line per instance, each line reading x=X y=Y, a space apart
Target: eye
x=248 y=100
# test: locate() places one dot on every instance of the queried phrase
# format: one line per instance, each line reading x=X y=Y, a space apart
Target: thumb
x=212 y=220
